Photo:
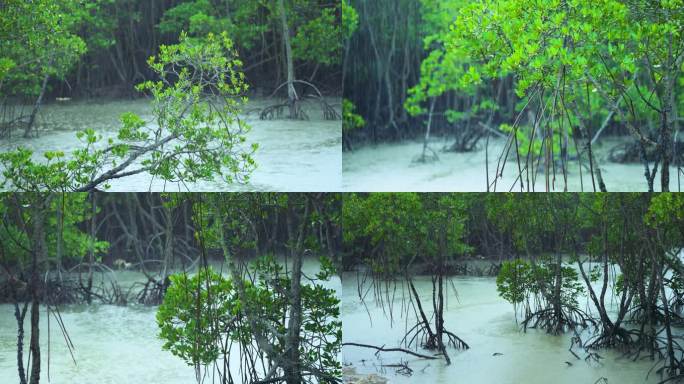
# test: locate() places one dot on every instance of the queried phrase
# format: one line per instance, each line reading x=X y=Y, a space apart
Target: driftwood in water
x=383 y=349
x=400 y=368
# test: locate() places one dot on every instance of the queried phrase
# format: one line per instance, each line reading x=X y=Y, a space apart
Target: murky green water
x=465 y=172
x=487 y=323
x=292 y=156
x=112 y=344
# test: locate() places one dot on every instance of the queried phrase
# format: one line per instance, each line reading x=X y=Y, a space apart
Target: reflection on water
x=465 y=172
x=487 y=323
x=292 y=156
x=112 y=344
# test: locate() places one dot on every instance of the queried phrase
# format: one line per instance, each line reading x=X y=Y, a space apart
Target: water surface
x=487 y=323
x=293 y=155
x=112 y=344
x=389 y=167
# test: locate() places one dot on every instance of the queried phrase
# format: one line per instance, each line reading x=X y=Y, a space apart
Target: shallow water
x=112 y=344
x=487 y=323
x=292 y=156
x=389 y=167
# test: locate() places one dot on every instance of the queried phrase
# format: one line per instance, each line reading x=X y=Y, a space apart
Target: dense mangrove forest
x=561 y=95
x=160 y=95
x=511 y=288
x=175 y=288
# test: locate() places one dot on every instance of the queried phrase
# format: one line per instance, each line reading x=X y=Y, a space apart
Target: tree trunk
x=91 y=248
x=168 y=242
x=20 y=315
x=293 y=373
x=291 y=93
x=439 y=318
x=668 y=121
x=557 y=305
x=667 y=326
x=427 y=130
x=60 y=237
x=36 y=107
x=39 y=253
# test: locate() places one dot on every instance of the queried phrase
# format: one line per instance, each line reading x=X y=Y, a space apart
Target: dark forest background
x=99 y=48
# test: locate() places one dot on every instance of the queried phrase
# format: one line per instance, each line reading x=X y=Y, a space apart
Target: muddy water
x=112 y=344
x=292 y=155
x=487 y=323
x=390 y=167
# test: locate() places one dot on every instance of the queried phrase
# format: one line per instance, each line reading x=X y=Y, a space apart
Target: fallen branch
x=383 y=349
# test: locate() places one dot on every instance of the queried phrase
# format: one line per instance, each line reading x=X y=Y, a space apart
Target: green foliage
x=442 y=70
x=532 y=40
x=243 y=23
x=665 y=215
x=38 y=40
x=177 y=19
x=513 y=281
x=316 y=28
x=200 y=312
x=537 y=143
x=63 y=223
x=666 y=209
x=350 y=19
x=319 y=40
x=402 y=227
x=208 y=127
x=350 y=120
x=197 y=134
x=195 y=312
x=520 y=281
x=562 y=58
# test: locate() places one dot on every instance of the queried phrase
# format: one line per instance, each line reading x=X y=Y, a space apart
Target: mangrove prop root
x=545 y=318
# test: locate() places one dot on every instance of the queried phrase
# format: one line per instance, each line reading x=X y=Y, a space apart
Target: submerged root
x=273 y=112
x=276 y=111
x=153 y=291
x=297 y=112
x=329 y=111
x=426 y=158
x=618 y=338
x=59 y=291
x=548 y=320
x=421 y=336
x=467 y=139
